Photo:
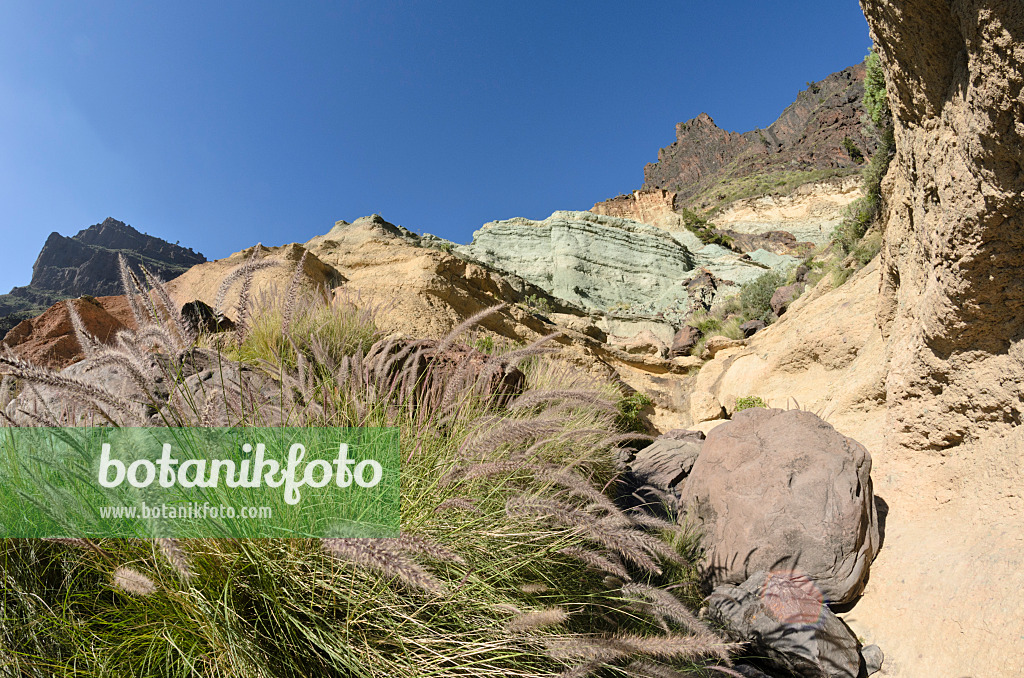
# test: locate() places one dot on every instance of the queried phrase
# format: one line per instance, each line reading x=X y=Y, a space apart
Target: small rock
x=751 y=327
x=655 y=472
x=784 y=296
x=687 y=361
x=643 y=343
x=704 y=407
x=684 y=340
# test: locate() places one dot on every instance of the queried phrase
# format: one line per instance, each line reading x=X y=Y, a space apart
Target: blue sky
x=222 y=124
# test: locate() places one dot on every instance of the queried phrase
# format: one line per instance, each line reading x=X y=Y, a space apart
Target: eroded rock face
x=782 y=489
x=603 y=263
x=87 y=263
x=952 y=301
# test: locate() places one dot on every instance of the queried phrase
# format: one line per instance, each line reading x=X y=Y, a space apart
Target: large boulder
x=783 y=489
x=789 y=628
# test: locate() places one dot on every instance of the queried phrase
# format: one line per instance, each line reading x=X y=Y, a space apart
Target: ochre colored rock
x=952 y=302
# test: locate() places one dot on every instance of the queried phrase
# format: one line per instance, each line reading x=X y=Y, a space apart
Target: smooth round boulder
x=783 y=490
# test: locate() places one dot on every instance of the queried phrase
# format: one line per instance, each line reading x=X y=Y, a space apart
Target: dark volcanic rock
x=788 y=627
x=807 y=136
x=87 y=263
x=752 y=327
x=784 y=296
x=656 y=471
x=684 y=341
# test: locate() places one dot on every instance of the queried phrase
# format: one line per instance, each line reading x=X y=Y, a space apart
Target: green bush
x=756 y=296
x=851 y=149
x=749 y=402
x=631 y=409
x=704 y=229
x=539 y=304
x=875 y=100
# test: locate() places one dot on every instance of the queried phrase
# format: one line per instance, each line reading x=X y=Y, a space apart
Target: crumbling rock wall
x=952 y=302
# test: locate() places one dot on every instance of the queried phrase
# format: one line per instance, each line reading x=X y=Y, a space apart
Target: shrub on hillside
x=755 y=296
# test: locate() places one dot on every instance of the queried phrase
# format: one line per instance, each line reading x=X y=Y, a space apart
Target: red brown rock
x=49 y=339
x=784 y=296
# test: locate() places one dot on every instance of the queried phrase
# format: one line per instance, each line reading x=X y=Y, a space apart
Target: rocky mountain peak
x=822 y=132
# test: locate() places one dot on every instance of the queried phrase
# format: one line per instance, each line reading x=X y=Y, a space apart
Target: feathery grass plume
x=533 y=349
x=641 y=518
x=578 y=486
x=291 y=295
x=615 y=647
x=153 y=335
x=132 y=581
x=377 y=555
x=88 y=343
x=598 y=561
x=667 y=606
x=534 y=398
x=510 y=431
x=529 y=621
x=243 y=309
x=479 y=470
x=581 y=671
x=534 y=588
x=428 y=548
x=648 y=669
x=79 y=542
x=41 y=375
x=617 y=535
x=466 y=324
x=127 y=361
x=186 y=331
x=726 y=671
x=249 y=267
x=130 y=286
x=176 y=556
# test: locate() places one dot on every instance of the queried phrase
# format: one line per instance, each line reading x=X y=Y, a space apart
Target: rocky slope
x=602 y=263
x=822 y=133
x=87 y=263
x=952 y=302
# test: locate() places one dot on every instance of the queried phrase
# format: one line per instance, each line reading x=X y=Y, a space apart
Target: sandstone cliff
x=952 y=302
